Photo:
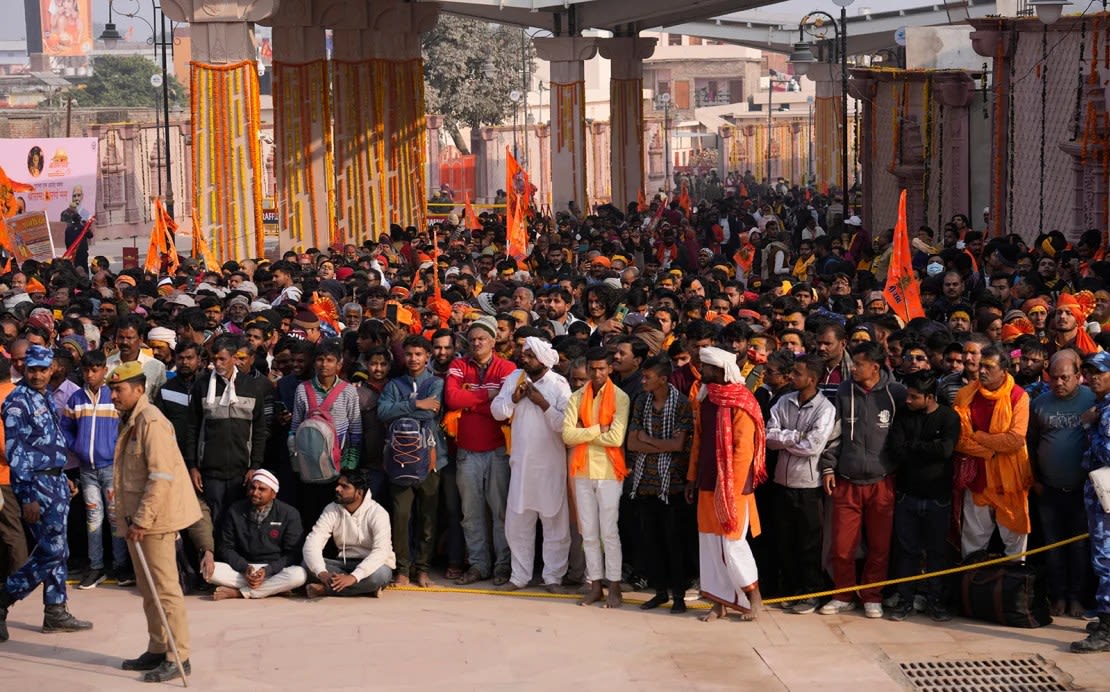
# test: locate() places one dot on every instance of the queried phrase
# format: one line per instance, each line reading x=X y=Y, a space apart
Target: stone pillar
x=543 y=145
x=227 y=176
x=954 y=90
x=827 y=111
x=626 y=114
x=304 y=162
x=568 y=116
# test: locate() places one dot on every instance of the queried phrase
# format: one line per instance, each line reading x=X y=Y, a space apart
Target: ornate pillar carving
x=227 y=175
x=954 y=91
x=626 y=114
x=568 y=116
x=827 y=110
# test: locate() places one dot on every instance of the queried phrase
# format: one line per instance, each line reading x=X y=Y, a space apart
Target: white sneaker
x=836 y=606
x=873 y=610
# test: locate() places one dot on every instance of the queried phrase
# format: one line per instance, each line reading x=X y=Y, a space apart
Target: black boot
x=57 y=619
x=655 y=601
x=5 y=601
x=148 y=661
x=167 y=671
x=1098 y=639
x=678 y=601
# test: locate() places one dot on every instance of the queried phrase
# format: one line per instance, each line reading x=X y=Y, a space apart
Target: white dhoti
x=520 y=531
x=727 y=569
x=285 y=580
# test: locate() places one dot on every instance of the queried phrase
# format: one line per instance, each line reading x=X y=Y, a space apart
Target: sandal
x=472 y=575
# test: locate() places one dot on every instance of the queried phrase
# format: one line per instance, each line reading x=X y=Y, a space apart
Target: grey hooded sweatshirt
x=858 y=451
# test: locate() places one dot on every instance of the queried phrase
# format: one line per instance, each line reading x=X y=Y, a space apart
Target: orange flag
x=200 y=246
x=517 y=186
x=470 y=219
x=743 y=190
x=902 y=291
x=161 y=242
x=641 y=201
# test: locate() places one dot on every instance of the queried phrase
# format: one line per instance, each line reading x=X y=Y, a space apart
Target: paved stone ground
x=460 y=641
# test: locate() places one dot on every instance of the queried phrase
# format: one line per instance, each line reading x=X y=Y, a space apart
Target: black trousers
x=220 y=495
x=662 y=548
x=798 y=515
x=921 y=529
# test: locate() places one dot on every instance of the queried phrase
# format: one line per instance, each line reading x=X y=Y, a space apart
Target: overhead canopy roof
x=759 y=24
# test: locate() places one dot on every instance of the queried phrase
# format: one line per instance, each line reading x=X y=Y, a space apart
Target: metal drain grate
x=985 y=675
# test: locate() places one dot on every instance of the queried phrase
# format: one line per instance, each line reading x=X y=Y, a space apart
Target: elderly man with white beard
x=534 y=398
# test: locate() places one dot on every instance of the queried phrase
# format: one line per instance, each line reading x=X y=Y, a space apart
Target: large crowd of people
x=706 y=394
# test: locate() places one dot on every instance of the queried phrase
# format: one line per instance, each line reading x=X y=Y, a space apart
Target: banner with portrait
x=55 y=176
x=66 y=27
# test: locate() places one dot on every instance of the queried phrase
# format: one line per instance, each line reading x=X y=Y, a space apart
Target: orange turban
x=1034 y=303
x=440 y=307
x=1083 y=341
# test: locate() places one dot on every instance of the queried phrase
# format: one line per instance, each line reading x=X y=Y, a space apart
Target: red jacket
x=478 y=431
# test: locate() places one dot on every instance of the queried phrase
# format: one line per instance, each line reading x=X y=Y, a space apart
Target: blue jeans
x=379 y=579
x=1062 y=516
x=921 y=527
x=483 y=479
x=96 y=488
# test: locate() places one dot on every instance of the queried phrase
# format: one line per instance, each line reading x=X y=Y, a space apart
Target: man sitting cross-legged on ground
x=360 y=528
x=260 y=544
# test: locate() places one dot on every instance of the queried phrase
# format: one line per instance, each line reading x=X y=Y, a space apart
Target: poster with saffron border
x=30 y=236
x=56 y=176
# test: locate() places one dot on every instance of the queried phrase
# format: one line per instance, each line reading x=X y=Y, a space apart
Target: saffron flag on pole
x=470 y=219
x=517 y=188
x=902 y=291
x=162 y=246
x=684 y=198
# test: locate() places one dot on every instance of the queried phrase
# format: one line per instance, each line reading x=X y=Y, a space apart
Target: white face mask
x=934 y=268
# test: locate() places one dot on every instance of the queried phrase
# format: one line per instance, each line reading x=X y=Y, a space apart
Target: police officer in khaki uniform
x=155 y=500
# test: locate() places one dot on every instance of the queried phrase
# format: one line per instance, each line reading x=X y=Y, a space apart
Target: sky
x=15 y=29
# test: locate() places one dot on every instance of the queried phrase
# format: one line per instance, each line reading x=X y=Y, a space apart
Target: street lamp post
x=666 y=99
x=803 y=57
x=771 y=82
x=110 y=36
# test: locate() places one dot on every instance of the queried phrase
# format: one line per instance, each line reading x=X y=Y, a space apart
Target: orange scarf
x=728 y=397
x=605 y=414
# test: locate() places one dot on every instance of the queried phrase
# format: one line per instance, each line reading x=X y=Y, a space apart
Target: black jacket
x=922 y=445
x=224 y=441
x=172 y=399
x=859 y=452
x=276 y=542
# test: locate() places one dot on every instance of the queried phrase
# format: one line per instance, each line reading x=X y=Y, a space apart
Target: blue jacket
x=398 y=399
x=91 y=428
x=33 y=439
x=1098 y=453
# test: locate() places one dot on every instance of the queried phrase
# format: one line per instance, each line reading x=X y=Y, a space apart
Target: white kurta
x=539 y=457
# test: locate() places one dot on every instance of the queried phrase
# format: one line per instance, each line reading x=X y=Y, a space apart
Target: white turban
x=722 y=359
x=266 y=478
x=167 y=336
x=542 y=351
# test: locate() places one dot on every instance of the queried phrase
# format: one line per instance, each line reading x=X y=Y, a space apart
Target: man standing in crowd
x=535 y=398
x=727 y=462
x=801 y=424
x=154 y=501
x=856 y=473
x=483 y=469
x=659 y=436
x=923 y=438
x=1096 y=369
x=1057 y=444
x=593 y=429
x=994 y=420
x=227 y=430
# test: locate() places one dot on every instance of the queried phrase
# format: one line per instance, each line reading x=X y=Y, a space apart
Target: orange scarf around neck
x=607 y=410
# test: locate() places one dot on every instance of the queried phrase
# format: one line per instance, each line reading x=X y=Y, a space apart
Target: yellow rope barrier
x=522 y=593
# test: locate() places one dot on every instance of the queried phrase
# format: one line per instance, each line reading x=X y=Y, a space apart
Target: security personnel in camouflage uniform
x=1096 y=368
x=37 y=453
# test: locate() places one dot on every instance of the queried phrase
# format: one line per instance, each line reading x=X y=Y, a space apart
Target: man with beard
x=129 y=341
x=559 y=304
x=1031 y=366
x=534 y=398
x=361 y=531
x=162 y=343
